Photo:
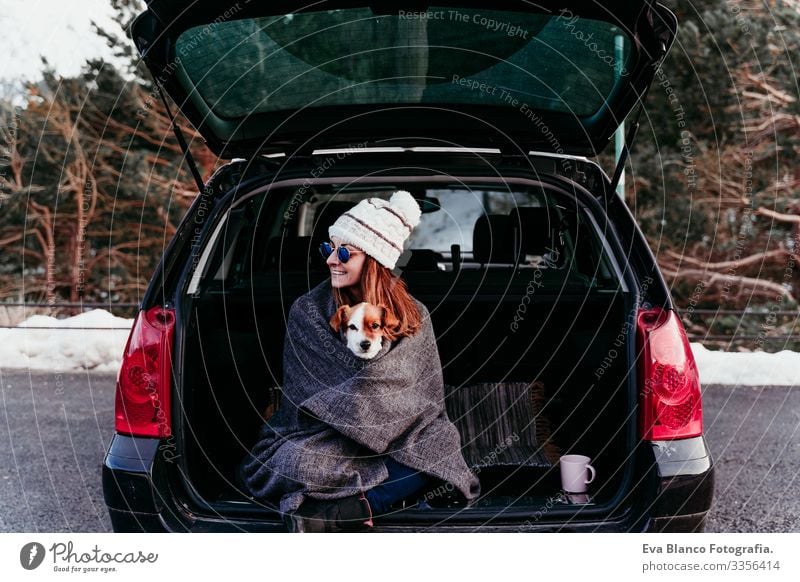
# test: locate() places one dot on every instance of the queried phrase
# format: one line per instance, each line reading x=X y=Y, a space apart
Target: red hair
x=381 y=287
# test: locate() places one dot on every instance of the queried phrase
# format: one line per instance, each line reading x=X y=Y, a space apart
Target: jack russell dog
x=364 y=326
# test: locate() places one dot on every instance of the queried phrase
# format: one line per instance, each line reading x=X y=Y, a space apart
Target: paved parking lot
x=56 y=429
x=58 y=425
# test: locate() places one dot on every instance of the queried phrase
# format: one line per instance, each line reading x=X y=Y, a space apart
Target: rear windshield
x=480 y=230
x=526 y=61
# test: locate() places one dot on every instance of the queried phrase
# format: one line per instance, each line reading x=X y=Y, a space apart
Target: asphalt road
x=754 y=437
x=58 y=425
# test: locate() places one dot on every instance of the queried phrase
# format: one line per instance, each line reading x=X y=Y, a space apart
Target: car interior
x=520 y=290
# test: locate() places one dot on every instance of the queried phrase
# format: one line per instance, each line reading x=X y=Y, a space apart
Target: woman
x=352 y=437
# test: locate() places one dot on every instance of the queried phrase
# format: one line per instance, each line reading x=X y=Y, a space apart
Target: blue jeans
x=402 y=482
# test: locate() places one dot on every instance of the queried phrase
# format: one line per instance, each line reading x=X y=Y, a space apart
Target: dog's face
x=364 y=326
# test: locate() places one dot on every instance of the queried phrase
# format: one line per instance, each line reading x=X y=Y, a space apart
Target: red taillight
x=670 y=388
x=143 y=383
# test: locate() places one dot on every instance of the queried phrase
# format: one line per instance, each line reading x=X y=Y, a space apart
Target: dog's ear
x=341 y=316
x=390 y=321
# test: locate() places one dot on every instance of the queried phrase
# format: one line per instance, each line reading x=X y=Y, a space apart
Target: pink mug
x=575 y=470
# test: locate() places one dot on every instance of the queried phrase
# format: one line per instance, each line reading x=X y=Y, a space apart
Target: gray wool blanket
x=340 y=416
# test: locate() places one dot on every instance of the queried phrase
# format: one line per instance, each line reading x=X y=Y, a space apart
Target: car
x=555 y=327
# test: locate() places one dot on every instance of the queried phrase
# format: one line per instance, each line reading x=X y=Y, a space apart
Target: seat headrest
x=325 y=215
x=536 y=225
x=292 y=254
x=491 y=239
x=423 y=260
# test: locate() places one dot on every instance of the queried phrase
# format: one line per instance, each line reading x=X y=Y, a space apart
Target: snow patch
x=31 y=345
x=747 y=368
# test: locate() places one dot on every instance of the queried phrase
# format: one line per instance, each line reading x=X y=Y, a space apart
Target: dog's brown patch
x=373 y=321
x=340 y=318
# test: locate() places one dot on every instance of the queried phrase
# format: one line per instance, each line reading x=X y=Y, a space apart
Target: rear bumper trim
x=686 y=482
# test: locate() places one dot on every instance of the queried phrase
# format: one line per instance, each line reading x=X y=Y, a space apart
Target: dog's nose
x=365 y=345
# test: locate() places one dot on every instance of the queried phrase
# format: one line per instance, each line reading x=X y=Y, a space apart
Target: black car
x=555 y=328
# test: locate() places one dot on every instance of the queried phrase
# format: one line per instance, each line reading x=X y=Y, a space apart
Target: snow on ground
x=31 y=345
x=67 y=348
x=747 y=368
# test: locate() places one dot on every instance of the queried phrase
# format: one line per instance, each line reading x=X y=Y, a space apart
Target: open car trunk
x=283 y=76
x=531 y=315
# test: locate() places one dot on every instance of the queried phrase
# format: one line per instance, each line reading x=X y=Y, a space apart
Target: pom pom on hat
x=379 y=227
x=404 y=202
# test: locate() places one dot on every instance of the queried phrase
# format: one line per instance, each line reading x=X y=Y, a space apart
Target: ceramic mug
x=575 y=473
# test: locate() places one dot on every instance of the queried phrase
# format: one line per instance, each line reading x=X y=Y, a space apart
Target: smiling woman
x=345 y=271
x=375 y=229
x=393 y=410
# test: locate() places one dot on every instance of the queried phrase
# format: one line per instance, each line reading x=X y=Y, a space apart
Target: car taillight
x=670 y=387
x=143 y=383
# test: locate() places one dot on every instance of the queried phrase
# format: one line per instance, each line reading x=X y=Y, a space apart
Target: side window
x=595 y=260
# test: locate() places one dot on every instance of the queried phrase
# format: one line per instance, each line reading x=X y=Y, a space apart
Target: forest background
x=91 y=191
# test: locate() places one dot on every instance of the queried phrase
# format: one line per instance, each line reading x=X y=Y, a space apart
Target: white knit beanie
x=378 y=227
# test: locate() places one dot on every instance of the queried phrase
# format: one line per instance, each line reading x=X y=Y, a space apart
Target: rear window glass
x=443 y=55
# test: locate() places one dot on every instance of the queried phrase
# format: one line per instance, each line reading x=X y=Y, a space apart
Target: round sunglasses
x=342 y=253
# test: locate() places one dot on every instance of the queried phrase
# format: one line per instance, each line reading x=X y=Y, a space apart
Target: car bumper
x=128 y=487
x=133 y=489
x=685 y=476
